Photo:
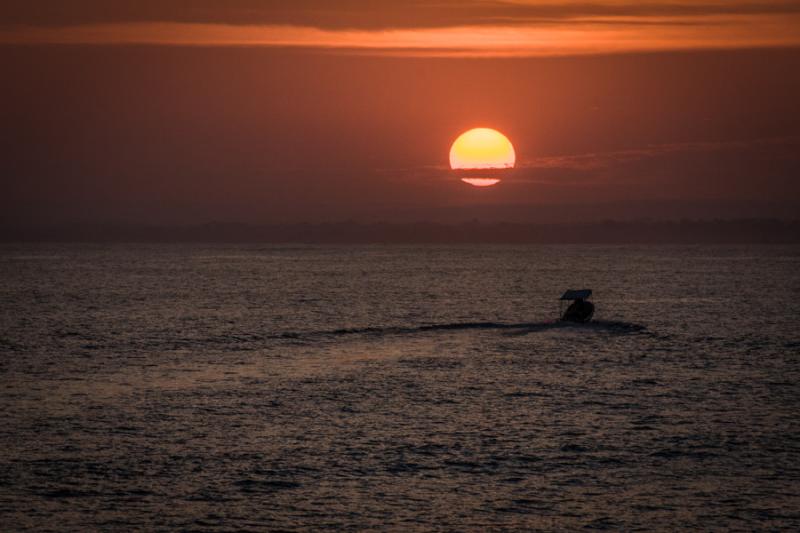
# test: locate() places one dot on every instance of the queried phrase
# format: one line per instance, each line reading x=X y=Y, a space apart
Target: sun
x=482 y=148
x=481 y=153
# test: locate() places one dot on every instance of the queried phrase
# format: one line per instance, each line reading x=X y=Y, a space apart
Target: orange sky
x=145 y=111
x=498 y=28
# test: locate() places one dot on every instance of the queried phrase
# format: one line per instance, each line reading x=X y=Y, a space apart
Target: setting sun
x=482 y=149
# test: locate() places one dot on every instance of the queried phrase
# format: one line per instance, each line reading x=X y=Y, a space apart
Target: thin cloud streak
x=527 y=171
x=600 y=160
x=573 y=169
x=594 y=36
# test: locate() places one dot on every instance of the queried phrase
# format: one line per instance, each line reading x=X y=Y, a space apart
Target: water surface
x=231 y=387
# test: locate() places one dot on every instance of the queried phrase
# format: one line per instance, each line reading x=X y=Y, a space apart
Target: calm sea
x=252 y=387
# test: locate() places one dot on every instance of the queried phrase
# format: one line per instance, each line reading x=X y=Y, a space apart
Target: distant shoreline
x=740 y=231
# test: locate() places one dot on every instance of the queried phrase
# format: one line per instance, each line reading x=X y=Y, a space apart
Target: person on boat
x=579 y=310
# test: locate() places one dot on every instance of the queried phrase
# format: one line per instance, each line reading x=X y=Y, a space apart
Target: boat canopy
x=579 y=294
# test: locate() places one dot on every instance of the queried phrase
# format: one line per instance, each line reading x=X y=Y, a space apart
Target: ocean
x=257 y=387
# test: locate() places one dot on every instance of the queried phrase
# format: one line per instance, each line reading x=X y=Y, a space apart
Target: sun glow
x=482 y=150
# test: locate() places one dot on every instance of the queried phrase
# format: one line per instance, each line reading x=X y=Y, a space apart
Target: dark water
x=255 y=387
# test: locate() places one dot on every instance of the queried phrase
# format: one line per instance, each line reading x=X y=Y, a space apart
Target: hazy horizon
x=475 y=231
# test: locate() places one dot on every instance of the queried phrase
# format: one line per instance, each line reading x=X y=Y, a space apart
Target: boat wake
x=606 y=326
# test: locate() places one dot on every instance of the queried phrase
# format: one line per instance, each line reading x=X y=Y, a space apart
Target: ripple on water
x=169 y=388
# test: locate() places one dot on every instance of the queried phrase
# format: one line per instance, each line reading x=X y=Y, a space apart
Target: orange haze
x=166 y=111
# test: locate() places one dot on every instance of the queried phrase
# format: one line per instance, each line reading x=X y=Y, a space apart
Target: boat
x=580 y=310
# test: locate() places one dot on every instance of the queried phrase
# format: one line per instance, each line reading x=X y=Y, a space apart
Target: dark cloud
x=604 y=160
x=365 y=14
x=660 y=165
